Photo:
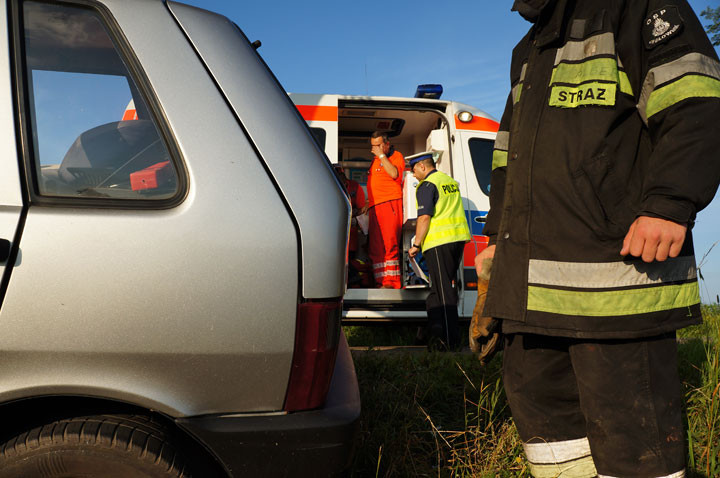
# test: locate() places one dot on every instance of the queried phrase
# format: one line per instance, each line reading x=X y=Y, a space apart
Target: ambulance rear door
x=321 y=114
x=474 y=139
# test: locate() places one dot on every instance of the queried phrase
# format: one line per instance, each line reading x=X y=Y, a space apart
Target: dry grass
x=443 y=415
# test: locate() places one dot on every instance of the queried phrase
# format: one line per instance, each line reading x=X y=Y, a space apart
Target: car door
x=145 y=240
x=11 y=199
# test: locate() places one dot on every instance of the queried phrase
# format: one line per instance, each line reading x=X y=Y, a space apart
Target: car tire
x=107 y=446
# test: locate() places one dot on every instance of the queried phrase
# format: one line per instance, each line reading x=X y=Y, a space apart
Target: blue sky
x=322 y=46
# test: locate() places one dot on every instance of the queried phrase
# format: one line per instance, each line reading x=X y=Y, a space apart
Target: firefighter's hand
x=377 y=150
x=413 y=251
x=654 y=239
x=487 y=253
x=364 y=209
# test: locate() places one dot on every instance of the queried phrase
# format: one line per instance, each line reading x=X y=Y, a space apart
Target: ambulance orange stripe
x=478 y=124
x=318 y=113
x=129 y=115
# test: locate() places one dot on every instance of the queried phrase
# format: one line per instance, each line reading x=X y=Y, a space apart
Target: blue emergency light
x=431 y=92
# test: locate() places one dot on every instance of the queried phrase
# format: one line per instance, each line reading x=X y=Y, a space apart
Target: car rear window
x=93 y=133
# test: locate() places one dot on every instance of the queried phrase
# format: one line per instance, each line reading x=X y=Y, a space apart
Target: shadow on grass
x=433 y=414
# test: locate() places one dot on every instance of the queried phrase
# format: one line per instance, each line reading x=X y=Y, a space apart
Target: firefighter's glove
x=485 y=336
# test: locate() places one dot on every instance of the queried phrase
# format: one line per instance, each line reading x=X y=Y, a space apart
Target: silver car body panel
x=189 y=310
x=10 y=190
x=291 y=153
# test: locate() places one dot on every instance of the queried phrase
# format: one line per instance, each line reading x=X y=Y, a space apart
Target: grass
x=703 y=395
x=443 y=415
x=433 y=414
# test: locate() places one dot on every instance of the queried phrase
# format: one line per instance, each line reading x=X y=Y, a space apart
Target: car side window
x=320 y=136
x=92 y=132
x=481 y=152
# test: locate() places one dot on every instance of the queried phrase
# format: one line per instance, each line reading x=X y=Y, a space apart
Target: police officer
x=607 y=149
x=441 y=233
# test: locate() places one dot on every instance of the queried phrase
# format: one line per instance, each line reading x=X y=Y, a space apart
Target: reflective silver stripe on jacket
x=502 y=140
x=517 y=89
x=691 y=63
x=603 y=44
x=598 y=275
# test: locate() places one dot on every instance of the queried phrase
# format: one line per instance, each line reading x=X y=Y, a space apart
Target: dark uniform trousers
x=443 y=262
x=617 y=399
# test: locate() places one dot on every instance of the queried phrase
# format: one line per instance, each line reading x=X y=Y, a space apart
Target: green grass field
x=441 y=415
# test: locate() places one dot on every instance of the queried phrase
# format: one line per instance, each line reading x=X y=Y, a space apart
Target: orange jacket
x=381 y=187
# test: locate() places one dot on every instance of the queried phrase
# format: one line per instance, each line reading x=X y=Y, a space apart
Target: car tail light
x=316 y=341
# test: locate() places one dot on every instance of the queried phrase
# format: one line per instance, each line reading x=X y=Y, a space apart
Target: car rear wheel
x=107 y=446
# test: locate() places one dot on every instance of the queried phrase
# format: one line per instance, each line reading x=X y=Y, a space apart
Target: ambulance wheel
x=107 y=446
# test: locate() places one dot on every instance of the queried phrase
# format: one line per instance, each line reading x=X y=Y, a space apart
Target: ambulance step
x=384 y=317
x=406 y=299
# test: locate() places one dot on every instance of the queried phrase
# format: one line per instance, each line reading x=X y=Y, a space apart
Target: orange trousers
x=384 y=242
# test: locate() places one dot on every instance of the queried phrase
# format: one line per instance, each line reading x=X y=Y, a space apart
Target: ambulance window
x=320 y=135
x=481 y=152
x=92 y=133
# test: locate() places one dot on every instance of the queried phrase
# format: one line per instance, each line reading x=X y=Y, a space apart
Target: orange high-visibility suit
x=386 y=215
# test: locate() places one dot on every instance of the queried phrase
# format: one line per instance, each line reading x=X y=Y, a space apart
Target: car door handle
x=4 y=250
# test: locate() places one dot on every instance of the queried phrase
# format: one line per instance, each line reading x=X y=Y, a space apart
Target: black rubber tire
x=107 y=446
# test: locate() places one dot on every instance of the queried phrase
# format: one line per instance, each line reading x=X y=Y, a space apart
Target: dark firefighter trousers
x=616 y=403
x=443 y=262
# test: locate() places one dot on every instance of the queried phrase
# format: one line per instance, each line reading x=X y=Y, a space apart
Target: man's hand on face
x=377 y=150
x=654 y=239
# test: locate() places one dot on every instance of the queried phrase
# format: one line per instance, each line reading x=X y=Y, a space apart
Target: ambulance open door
x=321 y=114
x=475 y=139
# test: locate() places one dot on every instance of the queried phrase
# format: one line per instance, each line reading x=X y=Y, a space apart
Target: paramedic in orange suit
x=384 y=186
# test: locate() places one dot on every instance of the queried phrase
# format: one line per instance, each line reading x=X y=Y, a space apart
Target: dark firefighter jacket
x=614 y=113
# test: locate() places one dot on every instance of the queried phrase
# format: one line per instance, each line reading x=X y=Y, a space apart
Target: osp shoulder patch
x=661 y=25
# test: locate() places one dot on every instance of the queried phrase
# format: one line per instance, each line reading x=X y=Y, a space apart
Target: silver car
x=172 y=249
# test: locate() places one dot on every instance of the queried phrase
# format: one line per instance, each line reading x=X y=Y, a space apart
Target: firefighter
x=384 y=206
x=441 y=233
x=607 y=149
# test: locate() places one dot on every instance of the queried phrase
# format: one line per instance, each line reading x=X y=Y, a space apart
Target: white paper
x=417 y=270
x=415 y=267
x=364 y=221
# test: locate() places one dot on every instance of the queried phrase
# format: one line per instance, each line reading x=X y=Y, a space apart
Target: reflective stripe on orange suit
x=383 y=240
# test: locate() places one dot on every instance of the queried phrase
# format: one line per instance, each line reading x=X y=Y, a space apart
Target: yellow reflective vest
x=448 y=224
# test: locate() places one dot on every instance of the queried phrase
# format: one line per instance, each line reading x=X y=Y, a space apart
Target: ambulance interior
x=410 y=131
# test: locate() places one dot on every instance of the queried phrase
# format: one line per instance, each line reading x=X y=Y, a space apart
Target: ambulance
x=461 y=138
